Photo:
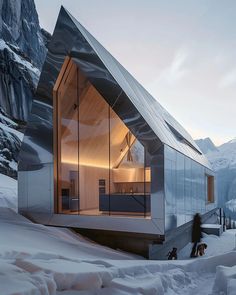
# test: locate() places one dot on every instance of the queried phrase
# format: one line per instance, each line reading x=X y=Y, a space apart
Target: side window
x=210 y=188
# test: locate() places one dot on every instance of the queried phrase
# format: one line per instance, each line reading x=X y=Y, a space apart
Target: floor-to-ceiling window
x=68 y=142
x=93 y=147
x=129 y=176
x=101 y=165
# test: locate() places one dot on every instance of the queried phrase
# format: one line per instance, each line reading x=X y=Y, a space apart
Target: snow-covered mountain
x=206 y=145
x=225 y=157
x=223 y=160
x=22 y=53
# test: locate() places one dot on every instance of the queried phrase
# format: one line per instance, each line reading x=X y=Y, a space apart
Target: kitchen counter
x=129 y=194
x=127 y=202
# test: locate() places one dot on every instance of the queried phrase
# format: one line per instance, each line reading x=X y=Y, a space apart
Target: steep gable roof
x=116 y=85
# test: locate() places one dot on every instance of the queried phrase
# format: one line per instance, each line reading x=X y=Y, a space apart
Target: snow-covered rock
x=19 y=26
x=10 y=142
x=22 y=53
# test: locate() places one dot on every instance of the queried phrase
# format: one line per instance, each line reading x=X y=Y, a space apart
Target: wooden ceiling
x=93 y=114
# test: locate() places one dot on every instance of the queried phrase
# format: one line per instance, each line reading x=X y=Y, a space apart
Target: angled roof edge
x=158 y=119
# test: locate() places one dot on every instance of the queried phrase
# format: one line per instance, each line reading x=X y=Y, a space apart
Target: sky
x=182 y=51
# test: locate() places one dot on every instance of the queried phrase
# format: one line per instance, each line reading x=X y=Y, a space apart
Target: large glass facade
x=67 y=132
x=101 y=165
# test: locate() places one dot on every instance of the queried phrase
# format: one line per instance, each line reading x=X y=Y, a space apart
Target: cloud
x=177 y=68
x=229 y=79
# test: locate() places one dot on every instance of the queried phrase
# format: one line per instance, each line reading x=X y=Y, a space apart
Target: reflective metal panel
x=149 y=122
x=185 y=188
x=112 y=223
x=37 y=146
x=33 y=195
x=157 y=118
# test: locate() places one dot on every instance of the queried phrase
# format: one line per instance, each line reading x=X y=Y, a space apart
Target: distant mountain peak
x=232 y=141
x=206 y=145
x=229 y=147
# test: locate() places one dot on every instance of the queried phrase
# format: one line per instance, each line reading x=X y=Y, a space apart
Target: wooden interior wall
x=67 y=73
x=100 y=135
x=89 y=186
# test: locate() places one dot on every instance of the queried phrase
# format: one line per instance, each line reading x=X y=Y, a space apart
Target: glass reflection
x=93 y=147
x=101 y=165
x=188 y=189
x=68 y=186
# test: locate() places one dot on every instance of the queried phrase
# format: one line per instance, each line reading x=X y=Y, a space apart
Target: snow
x=35 y=72
x=206 y=145
x=9 y=150
x=216 y=245
x=7 y=120
x=225 y=281
x=35 y=259
x=19 y=134
x=206 y=225
x=231 y=205
x=232 y=140
x=11 y=163
x=8 y=192
x=3 y=45
x=224 y=156
x=221 y=157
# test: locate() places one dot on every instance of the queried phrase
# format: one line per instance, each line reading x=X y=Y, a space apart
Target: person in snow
x=172 y=255
x=196 y=233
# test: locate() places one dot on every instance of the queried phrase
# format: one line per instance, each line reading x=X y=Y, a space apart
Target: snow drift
x=8 y=192
x=35 y=259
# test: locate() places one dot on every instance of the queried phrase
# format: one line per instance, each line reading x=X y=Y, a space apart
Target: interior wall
x=89 y=186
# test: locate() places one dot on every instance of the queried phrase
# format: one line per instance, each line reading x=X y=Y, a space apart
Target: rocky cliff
x=19 y=26
x=22 y=53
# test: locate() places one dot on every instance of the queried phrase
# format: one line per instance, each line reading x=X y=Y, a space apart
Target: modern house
x=101 y=155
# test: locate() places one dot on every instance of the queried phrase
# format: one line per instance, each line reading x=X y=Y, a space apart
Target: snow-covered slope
x=40 y=260
x=224 y=157
x=8 y=192
x=223 y=161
